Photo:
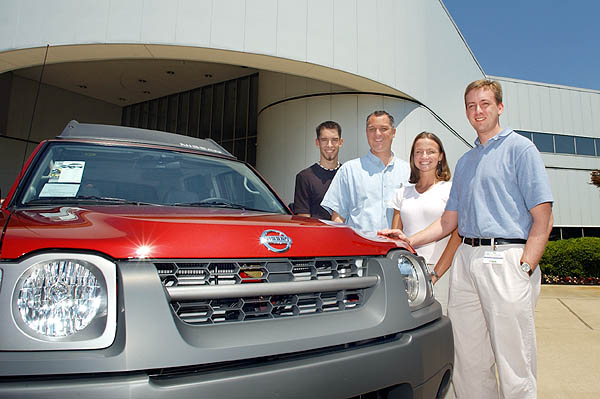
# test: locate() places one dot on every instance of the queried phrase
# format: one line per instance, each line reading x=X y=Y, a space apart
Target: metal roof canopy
x=78 y=130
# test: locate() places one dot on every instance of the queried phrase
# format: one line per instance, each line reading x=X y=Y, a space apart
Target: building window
x=591 y=231
x=585 y=146
x=564 y=144
x=524 y=134
x=225 y=112
x=554 y=234
x=544 y=142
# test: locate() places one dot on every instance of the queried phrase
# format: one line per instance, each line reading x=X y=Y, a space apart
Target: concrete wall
x=286 y=129
x=393 y=47
x=55 y=108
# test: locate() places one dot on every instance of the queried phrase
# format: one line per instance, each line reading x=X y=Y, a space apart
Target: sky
x=546 y=41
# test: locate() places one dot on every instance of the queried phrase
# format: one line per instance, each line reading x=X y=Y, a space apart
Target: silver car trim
x=256 y=289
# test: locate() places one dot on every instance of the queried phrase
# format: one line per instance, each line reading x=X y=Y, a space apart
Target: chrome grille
x=223 y=310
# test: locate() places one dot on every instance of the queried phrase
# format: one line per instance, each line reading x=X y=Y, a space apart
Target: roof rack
x=78 y=130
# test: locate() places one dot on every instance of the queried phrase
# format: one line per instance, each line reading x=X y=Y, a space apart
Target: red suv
x=143 y=264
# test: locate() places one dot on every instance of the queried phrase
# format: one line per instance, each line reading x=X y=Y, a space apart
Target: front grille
x=233 y=272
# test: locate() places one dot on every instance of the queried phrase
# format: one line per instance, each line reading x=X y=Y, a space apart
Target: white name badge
x=493 y=257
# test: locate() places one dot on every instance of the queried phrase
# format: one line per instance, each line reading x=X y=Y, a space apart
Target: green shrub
x=575 y=257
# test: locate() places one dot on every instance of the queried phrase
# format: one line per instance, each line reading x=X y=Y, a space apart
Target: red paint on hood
x=171 y=232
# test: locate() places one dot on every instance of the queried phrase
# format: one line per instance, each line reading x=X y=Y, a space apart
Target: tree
x=596 y=177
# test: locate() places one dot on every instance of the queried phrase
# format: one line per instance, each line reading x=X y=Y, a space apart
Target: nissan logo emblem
x=275 y=241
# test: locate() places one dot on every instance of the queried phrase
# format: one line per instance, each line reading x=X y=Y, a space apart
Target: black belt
x=480 y=242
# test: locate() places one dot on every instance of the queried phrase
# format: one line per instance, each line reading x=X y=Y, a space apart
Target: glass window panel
x=229 y=111
x=205 y=111
x=239 y=149
x=194 y=113
x=253 y=107
x=241 y=107
x=597 y=147
x=153 y=117
x=564 y=144
x=182 y=113
x=571 y=232
x=173 y=101
x=585 y=146
x=524 y=134
x=144 y=115
x=544 y=142
x=225 y=112
x=217 y=112
x=251 y=151
x=228 y=145
x=136 y=110
x=162 y=114
x=126 y=116
x=555 y=234
x=591 y=231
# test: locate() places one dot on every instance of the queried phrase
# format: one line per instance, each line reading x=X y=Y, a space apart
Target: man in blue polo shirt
x=360 y=192
x=502 y=204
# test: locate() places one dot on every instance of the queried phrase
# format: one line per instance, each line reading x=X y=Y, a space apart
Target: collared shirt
x=361 y=191
x=496 y=185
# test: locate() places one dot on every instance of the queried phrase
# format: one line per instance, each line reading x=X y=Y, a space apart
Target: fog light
x=60 y=298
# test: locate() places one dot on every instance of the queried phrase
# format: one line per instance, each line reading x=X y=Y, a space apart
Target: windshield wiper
x=85 y=199
x=217 y=204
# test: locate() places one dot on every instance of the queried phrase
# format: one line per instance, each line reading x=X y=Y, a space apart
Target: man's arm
x=445 y=261
x=538 y=234
x=436 y=230
x=336 y=217
x=336 y=195
x=441 y=227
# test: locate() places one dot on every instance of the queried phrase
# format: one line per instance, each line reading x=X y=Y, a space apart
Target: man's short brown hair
x=487 y=84
x=329 y=125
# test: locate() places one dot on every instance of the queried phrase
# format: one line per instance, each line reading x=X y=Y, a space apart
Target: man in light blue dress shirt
x=502 y=204
x=360 y=192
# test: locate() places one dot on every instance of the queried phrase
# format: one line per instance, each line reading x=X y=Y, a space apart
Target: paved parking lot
x=568 y=340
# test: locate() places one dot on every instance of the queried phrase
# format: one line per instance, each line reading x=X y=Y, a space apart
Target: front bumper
x=412 y=363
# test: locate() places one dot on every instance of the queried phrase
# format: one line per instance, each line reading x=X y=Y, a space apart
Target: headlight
x=415 y=281
x=59 y=298
x=58 y=301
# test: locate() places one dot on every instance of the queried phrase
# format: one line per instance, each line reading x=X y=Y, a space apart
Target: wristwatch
x=526 y=267
x=434 y=274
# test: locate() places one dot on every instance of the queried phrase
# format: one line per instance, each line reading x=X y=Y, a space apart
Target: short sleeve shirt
x=419 y=210
x=361 y=191
x=496 y=185
x=311 y=185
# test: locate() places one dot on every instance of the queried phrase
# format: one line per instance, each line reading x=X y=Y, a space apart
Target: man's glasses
x=325 y=141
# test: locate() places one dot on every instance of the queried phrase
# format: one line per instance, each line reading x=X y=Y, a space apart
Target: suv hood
x=124 y=231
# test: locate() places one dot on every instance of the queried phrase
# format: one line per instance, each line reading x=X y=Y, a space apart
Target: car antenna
x=35 y=106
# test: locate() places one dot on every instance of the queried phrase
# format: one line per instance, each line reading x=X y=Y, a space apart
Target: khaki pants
x=491 y=306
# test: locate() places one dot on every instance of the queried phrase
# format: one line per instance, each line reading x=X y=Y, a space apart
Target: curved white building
x=259 y=75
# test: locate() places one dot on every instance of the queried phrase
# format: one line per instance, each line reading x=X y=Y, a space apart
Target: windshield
x=75 y=173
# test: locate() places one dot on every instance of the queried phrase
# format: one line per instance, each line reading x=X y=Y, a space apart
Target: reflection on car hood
x=125 y=231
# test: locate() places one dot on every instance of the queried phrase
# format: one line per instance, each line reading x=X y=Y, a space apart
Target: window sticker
x=67 y=172
x=59 y=190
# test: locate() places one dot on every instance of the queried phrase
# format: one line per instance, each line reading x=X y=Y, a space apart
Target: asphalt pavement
x=567 y=322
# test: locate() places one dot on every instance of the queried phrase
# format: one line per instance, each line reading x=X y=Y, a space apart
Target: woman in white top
x=417 y=206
